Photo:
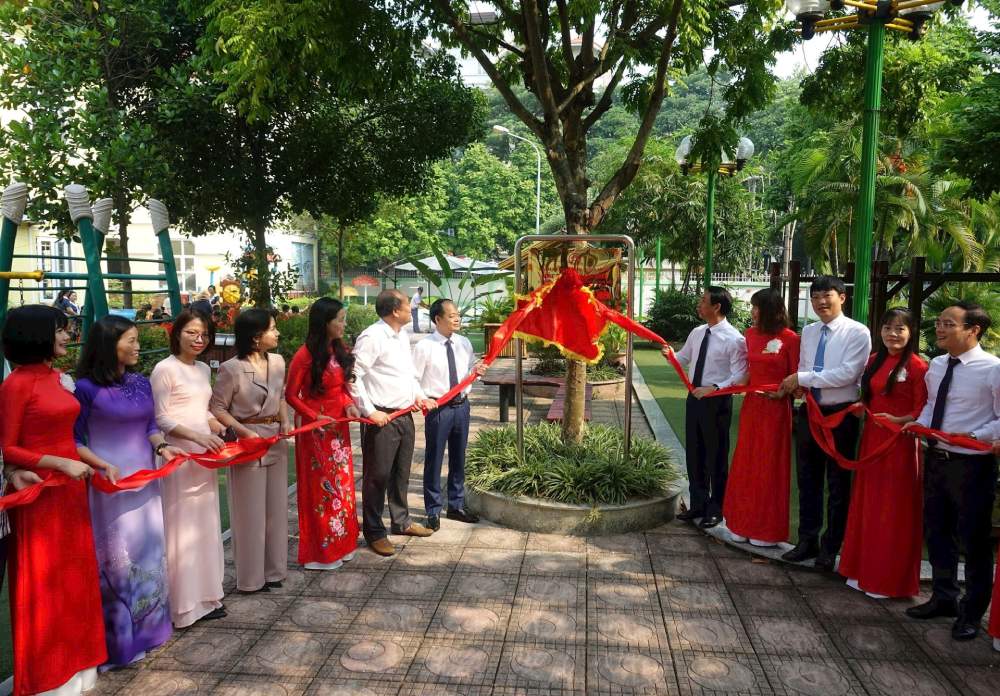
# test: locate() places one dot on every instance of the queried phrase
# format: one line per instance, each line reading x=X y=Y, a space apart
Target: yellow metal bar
x=907 y=4
x=897 y=27
x=863 y=5
x=903 y=22
x=848 y=19
x=23 y=275
x=838 y=27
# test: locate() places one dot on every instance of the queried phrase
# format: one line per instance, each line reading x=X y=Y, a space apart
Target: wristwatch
x=159 y=448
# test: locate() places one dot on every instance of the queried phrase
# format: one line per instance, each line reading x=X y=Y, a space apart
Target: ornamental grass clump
x=592 y=472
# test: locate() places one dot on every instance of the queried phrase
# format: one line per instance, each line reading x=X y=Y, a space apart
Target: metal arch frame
x=519 y=289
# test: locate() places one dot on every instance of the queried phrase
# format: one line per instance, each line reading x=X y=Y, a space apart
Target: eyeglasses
x=938 y=324
x=194 y=335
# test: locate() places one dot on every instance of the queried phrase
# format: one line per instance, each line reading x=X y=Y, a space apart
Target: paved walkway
x=485 y=611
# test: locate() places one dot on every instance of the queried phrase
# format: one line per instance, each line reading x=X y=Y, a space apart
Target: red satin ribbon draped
x=563 y=313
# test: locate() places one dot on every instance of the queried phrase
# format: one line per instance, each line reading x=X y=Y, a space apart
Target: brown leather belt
x=261 y=420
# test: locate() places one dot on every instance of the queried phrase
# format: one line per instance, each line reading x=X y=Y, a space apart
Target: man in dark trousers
x=963 y=397
x=716 y=354
x=386 y=381
x=442 y=360
x=832 y=358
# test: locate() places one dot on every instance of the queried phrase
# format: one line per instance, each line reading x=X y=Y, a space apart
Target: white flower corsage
x=773 y=346
x=901 y=375
x=67 y=382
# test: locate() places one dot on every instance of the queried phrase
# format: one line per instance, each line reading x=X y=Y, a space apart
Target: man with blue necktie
x=832 y=358
x=442 y=360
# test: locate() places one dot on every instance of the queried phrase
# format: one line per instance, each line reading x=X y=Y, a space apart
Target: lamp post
x=538 y=175
x=728 y=166
x=908 y=17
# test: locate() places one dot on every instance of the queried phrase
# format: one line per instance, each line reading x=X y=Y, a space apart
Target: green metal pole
x=709 y=226
x=95 y=281
x=642 y=284
x=11 y=203
x=865 y=214
x=659 y=263
x=161 y=226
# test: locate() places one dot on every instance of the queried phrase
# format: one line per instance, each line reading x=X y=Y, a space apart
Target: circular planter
x=540 y=391
x=534 y=515
x=608 y=389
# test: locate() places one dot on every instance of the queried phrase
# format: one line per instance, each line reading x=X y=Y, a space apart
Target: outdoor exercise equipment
x=92 y=223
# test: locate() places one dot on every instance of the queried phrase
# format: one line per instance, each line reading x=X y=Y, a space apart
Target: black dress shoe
x=709 y=522
x=932 y=608
x=802 y=552
x=689 y=515
x=273 y=584
x=263 y=588
x=463 y=516
x=964 y=629
x=433 y=522
x=825 y=562
x=217 y=613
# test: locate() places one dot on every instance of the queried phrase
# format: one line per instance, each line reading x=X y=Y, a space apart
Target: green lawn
x=6 y=660
x=670 y=394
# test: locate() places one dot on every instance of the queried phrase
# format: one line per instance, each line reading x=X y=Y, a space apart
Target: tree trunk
x=835 y=257
x=262 y=291
x=124 y=214
x=341 y=231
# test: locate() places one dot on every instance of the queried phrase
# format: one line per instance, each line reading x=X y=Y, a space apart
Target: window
x=48 y=247
x=183 y=250
x=304 y=263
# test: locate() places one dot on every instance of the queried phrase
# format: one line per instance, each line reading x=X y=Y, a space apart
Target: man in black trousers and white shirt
x=832 y=358
x=716 y=354
x=963 y=397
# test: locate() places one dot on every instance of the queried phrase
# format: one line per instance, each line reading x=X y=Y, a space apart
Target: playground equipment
x=92 y=224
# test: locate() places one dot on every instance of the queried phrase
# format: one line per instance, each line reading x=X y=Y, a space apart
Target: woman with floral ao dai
x=117 y=428
x=757 y=494
x=319 y=388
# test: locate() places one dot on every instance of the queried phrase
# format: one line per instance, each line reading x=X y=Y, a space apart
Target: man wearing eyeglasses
x=963 y=388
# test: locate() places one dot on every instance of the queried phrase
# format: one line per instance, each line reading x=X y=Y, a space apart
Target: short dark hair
x=720 y=296
x=249 y=325
x=183 y=319
x=824 y=283
x=285 y=308
x=772 y=316
x=99 y=358
x=437 y=308
x=388 y=301
x=295 y=310
x=29 y=334
x=210 y=287
x=975 y=315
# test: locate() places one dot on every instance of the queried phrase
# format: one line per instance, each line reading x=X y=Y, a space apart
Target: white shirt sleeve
x=684 y=354
x=162 y=383
x=366 y=352
x=991 y=431
x=420 y=356
x=737 y=362
x=857 y=349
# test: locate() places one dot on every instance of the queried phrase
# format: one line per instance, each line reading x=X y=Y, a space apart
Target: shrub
x=293 y=335
x=592 y=472
x=359 y=318
x=673 y=314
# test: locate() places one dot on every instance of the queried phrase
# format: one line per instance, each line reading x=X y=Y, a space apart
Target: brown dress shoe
x=383 y=547
x=417 y=530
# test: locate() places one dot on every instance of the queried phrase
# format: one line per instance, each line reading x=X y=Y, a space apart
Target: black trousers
x=706 y=434
x=387 y=454
x=812 y=467
x=958 y=510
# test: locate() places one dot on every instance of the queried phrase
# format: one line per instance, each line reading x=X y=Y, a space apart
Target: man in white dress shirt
x=716 y=354
x=442 y=360
x=415 y=301
x=386 y=381
x=832 y=358
x=963 y=397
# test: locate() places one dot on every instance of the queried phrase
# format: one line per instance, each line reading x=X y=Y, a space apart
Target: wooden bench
x=559 y=404
x=505 y=379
